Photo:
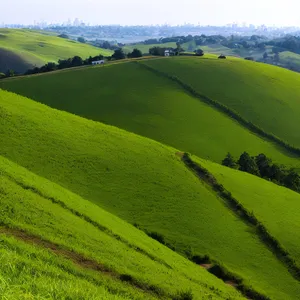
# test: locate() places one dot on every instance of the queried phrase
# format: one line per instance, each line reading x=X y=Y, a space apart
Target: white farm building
x=98 y=62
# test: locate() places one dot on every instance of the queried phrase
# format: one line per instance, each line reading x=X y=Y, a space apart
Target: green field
x=59 y=253
x=277 y=207
x=130 y=97
x=290 y=60
x=22 y=49
x=265 y=95
x=133 y=177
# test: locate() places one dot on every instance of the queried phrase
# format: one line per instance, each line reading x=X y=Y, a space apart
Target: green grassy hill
x=133 y=98
x=290 y=60
x=277 y=207
x=265 y=95
x=21 y=49
x=137 y=179
x=56 y=245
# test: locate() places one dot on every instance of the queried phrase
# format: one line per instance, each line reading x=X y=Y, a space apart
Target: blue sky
x=212 y=12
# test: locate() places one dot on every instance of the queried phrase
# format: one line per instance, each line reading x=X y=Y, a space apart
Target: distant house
x=169 y=52
x=98 y=62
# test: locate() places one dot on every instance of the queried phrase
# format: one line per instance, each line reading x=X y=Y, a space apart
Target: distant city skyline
x=136 y=12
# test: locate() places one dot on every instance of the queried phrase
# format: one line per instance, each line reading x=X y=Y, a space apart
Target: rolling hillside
x=141 y=181
x=56 y=245
x=21 y=49
x=131 y=97
x=265 y=95
x=277 y=207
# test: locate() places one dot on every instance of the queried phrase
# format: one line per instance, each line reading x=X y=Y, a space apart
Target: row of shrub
x=217 y=269
x=77 y=61
x=254 y=128
x=263 y=167
x=241 y=211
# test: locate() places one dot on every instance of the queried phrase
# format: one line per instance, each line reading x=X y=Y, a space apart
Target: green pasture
x=265 y=95
x=130 y=97
x=139 y=180
x=35 y=48
x=278 y=208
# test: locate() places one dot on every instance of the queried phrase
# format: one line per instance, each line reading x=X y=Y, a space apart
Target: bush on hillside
x=199 y=259
x=263 y=167
x=199 y=52
x=135 y=53
x=229 y=161
x=184 y=295
x=118 y=54
x=81 y=40
x=222 y=56
x=157 y=236
x=248 y=164
x=63 y=36
x=157 y=51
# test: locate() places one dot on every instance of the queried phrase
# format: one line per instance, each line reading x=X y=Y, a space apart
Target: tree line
x=263 y=167
x=75 y=61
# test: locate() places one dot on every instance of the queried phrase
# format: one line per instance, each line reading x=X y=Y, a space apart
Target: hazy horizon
x=135 y=12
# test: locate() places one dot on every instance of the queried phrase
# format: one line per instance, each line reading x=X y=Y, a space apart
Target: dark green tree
x=63 y=36
x=77 y=61
x=81 y=40
x=157 y=51
x=229 y=161
x=276 y=173
x=118 y=54
x=292 y=181
x=248 y=164
x=264 y=164
x=199 y=52
x=135 y=53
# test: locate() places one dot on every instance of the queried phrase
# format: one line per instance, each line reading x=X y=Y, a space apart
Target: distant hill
x=145 y=47
x=138 y=179
x=21 y=49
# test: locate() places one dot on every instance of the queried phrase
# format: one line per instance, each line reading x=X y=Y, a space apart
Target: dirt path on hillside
x=82 y=261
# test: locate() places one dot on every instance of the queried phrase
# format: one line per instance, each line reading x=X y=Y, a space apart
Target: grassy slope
x=41 y=208
x=145 y=48
x=277 y=207
x=267 y=96
x=127 y=96
x=141 y=181
x=36 y=48
x=290 y=59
